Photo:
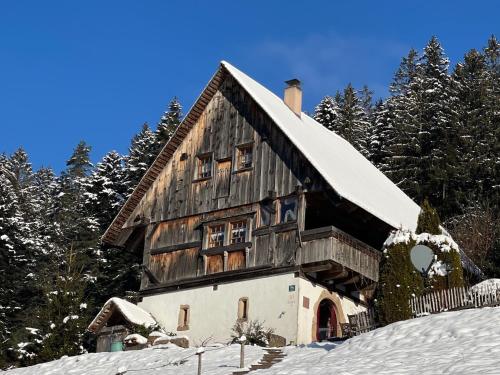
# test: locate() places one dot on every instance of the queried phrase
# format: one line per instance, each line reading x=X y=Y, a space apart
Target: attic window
x=288 y=210
x=244 y=156
x=204 y=166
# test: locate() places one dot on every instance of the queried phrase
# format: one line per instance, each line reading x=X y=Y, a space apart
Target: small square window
x=245 y=156
x=204 y=166
x=216 y=235
x=238 y=231
x=288 y=211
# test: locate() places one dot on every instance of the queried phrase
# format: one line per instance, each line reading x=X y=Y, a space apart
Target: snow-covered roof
x=348 y=172
x=130 y=312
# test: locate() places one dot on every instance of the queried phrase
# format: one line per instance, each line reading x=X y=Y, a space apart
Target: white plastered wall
x=307 y=316
x=272 y=299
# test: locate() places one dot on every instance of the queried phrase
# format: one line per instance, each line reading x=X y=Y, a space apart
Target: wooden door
x=326 y=320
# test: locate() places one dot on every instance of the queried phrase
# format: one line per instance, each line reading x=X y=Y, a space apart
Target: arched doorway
x=326 y=320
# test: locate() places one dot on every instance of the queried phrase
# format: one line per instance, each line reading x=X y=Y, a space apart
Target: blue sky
x=97 y=70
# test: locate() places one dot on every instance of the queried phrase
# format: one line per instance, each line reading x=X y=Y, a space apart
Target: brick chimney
x=293 y=96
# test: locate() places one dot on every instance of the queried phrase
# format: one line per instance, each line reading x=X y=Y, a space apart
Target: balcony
x=335 y=255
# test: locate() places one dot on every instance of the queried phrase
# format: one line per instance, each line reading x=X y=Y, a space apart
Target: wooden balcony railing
x=332 y=244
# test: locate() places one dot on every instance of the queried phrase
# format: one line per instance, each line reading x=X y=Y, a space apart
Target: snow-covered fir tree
x=327 y=113
x=142 y=152
x=106 y=191
x=353 y=120
x=169 y=122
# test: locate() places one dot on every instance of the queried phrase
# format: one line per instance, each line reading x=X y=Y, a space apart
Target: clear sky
x=97 y=70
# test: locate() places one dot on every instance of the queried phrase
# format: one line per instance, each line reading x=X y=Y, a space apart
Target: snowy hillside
x=464 y=342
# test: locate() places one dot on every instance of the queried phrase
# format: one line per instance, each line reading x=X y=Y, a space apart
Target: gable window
x=288 y=210
x=244 y=156
x=238 y=231
x=243 y=309
x=216 y=235
x=183 y=322
x=266 y=213
x=204 y=166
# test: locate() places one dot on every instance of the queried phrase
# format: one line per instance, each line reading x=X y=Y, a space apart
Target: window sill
x=219 y=250
x=202 y=179
x=243 y=170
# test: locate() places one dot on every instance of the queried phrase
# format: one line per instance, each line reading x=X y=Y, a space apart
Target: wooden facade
x=229 y=195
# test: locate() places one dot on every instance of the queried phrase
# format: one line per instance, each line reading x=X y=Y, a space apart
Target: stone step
x=270 y=358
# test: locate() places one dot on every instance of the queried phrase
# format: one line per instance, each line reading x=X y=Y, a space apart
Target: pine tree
x=492 y=136
x=401 y=135
x=169 y=122
x=327 y=113
x=353 y=120
x=405 y=74
x=379 y=133
x=106 y=192
x=142 y=152
x=422 y=157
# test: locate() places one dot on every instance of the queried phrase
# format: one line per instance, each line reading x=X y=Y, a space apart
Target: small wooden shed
x=115 y=321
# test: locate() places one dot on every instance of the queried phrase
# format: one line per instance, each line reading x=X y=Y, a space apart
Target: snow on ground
x=459 y=342
x=486 y=286
x=158 y=360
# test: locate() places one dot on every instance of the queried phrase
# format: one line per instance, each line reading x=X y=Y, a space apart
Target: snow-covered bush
x=400 y=281
x=253 y=330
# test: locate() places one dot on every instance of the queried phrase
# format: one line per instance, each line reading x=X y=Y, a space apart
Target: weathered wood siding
x=174 y=265
x=231 y=118
x=178 y=206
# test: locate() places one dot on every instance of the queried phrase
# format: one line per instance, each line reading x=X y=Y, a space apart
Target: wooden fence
x=455 y=299
x=362 y=322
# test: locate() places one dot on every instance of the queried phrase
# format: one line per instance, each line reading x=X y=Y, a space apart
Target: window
x=288 y=211
x=243 y=308
x=238 y=231
x=204 y=166
x=266 y=212
x=216 y=235
x=183 y=323
x=244 y=155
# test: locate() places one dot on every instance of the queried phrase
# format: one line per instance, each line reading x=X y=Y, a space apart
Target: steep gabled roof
x=348 y=172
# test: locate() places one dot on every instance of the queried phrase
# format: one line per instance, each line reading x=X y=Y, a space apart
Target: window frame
x=269 y=207
x=239 y=154
x=184 y=317
x=200 y=173
x=282 y=215
x=232 y=230
x=211 y=244
x=243 y=309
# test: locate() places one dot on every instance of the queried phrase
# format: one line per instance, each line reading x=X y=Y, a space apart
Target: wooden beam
x=316 y=267
x=182 y=246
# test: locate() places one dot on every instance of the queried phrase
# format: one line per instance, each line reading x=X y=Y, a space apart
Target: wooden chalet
x=254 y=211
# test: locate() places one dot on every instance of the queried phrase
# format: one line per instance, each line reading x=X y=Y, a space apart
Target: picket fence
x=455 y=299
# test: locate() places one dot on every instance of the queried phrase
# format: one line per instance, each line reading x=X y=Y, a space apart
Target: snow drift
x=460 y=342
